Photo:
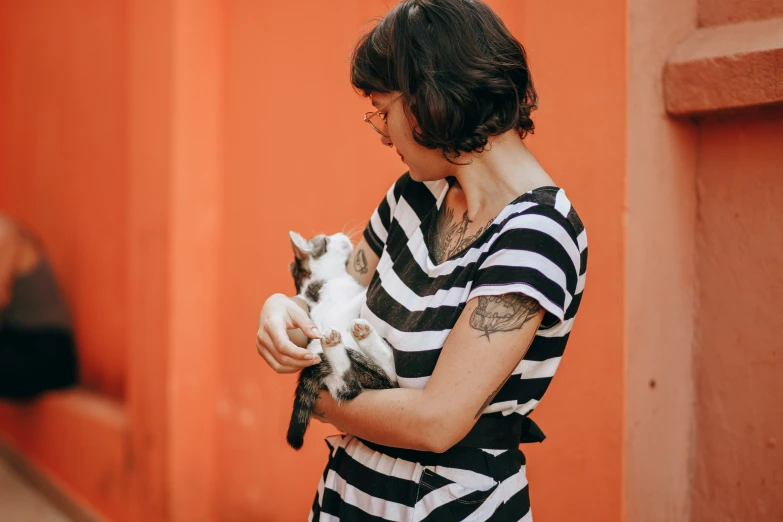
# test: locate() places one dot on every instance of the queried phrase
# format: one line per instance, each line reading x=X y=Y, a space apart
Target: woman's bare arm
x=474 y=364
x=362 y=263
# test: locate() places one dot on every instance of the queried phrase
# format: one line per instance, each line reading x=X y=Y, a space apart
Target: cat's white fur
x=339 y=304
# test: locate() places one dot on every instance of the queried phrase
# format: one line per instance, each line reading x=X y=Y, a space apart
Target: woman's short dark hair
x=462 y=75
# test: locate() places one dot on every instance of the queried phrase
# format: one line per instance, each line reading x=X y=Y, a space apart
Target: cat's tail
x=306 y=394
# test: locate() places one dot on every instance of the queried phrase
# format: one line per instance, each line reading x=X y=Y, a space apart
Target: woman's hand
x=281 y=313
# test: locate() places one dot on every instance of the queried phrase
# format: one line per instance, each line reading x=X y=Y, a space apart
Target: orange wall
x=739 y=351
x=581 y=141
x=182 y=139
x=63 y=161
x=299 y=157
x=163 y=150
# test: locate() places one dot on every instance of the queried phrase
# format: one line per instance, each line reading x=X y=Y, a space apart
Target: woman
x=475 y=263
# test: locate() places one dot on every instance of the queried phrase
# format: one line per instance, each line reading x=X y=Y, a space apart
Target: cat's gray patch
x=350 y=388
x=370 y=375
x=300 y=269
x=313 y=291
x=319 y=246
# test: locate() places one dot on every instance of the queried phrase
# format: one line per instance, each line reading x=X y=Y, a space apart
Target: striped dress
x=536 y=246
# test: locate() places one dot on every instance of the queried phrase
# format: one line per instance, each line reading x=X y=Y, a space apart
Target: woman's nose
x=386 y=141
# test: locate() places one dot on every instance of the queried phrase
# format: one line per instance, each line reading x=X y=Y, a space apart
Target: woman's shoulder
x=543 y=221
x=550 y=202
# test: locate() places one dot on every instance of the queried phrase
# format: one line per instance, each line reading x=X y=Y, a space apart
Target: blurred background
x=162 y=150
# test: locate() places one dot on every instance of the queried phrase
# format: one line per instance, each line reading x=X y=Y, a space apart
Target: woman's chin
x=418 y=175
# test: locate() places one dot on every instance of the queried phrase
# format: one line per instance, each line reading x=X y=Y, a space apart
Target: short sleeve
x=535 y=254
x=377 y=230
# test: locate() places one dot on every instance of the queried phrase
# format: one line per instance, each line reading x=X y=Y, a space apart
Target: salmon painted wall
x=63 y=161
x=721 y=12
x=660 y=228
x=163 y=150
x=298 y=156
x=135 y=107
x=738 y=348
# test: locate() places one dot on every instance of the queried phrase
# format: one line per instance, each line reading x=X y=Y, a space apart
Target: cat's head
x=321 y=258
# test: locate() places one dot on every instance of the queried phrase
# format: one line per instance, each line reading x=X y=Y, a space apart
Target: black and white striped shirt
x=536 y=246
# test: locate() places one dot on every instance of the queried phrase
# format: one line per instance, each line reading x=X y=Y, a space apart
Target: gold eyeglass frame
x=368 y=116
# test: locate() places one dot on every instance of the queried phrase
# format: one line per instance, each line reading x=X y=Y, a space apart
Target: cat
x=353 y=355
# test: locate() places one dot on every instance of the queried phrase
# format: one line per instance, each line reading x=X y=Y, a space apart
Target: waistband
x=488 y=433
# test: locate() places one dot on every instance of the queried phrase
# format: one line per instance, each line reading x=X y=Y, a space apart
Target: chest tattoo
x=450 y=236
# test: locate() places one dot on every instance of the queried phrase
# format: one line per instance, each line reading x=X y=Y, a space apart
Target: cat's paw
x=360 y=329
x=331 y=338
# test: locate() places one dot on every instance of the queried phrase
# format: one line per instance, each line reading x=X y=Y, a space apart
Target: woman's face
x=424 y=164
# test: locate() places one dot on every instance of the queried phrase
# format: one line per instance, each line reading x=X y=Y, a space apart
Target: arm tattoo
x=360 y=262
x=503 y=313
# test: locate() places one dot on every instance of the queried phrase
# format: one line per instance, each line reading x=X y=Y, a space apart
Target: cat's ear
x=301 y=246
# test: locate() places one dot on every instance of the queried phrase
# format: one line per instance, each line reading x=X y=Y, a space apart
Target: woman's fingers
x=289 y=356
x=298 y=318
x=277 y=361
x=279 y=315
x=263 y=351
x=282 y=355
x=283 y=345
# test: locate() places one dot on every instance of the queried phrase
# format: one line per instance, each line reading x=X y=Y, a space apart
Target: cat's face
x=321 y=258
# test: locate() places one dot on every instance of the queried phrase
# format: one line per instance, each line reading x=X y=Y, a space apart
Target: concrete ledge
x=42 y=485
x=726 y=68
x=76 y=442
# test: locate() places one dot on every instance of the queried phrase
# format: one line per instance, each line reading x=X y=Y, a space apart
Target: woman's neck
x=497 y=176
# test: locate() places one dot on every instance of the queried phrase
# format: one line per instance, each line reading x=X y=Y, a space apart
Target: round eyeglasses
x=377 y=119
